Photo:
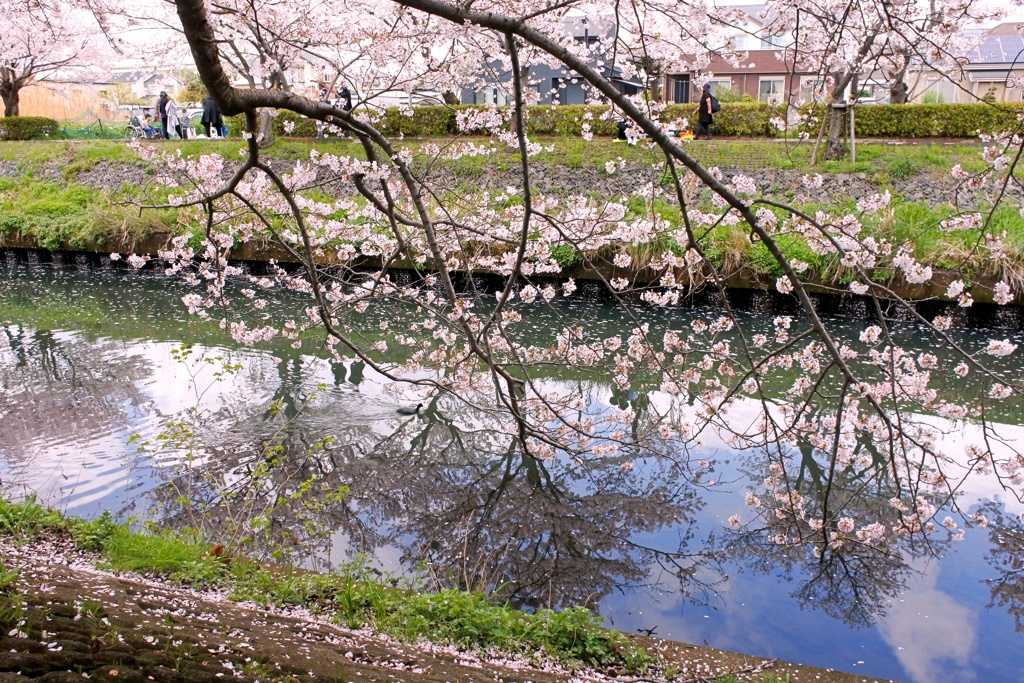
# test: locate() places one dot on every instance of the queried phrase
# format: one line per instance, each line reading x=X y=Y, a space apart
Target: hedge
x=567 y=120
x=28 y=128
x=303 y=127
x=736 y=119
x=930 y=120
x=426 y=122
x=747 y=119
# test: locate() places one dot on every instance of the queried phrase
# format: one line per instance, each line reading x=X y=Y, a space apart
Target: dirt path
x=64 y=620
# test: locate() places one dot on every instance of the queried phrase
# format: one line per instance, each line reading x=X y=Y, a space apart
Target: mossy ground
x=187 y=612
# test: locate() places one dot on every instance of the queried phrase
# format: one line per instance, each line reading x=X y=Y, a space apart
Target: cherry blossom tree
x=42 y=38
x=390 y=278
x=840 y=41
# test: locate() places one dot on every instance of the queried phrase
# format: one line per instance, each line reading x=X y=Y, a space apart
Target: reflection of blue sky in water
x=75 y=452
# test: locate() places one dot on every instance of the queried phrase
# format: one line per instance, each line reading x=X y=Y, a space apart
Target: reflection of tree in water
x=62 y=386
x=249 y=470
x=460 y=497
x=1006 y=556
x=848 y=569
x=485 y=515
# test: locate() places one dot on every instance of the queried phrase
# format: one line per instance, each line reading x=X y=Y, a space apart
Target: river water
x=92 y=366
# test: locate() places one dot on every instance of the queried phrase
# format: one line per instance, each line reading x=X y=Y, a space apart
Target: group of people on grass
x=178 y=121
x=173 y=119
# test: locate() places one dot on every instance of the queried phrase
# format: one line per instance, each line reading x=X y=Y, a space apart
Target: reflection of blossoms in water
x=808 y=522
x=1006 y=558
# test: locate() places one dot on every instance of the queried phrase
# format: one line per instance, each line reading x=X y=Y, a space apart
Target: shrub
x=930 y=120
x=933 y=120
x=566 y=255
x=568 y=119
x=28 y=128
x=235 y=124
x=737 y=119
x=741 y=119
x=304 y=128
x=425 y=122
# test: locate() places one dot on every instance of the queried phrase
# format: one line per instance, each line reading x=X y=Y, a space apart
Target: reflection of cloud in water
x=342 y=550
x=930 y=633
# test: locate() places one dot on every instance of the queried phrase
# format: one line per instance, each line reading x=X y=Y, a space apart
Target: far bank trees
x=39 y=39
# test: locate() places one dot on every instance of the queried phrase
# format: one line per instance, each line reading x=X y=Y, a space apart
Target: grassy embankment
x=354 y=597
x=51 y=200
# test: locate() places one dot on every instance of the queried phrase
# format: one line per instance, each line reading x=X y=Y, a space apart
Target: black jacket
x=704 y=108
x=211 y=115
x=345 y=98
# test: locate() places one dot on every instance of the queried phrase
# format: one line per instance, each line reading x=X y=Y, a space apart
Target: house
x=748 y=33
x=146 y=85
x=762 y=76
x=990 y=70
x=556 y=85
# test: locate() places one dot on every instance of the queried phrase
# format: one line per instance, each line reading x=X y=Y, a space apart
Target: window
x=491 y=96
x=770 y=90
x=768 y=42
x=811 y=89
x=720 y=85
x=679 y=89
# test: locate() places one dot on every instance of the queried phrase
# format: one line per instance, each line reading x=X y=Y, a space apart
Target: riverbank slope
x=86 y=196
x=65 y=619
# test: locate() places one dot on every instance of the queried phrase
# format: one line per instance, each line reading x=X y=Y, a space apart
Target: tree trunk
x=10 y=96
x=898 y=91
x=11 y=104
x=265 y=132
x=825 y=118
x=834 y=147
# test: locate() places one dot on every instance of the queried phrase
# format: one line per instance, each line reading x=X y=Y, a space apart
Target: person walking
x=161 y=106
x=211 y=117
x=703 y=114
x=345 y=98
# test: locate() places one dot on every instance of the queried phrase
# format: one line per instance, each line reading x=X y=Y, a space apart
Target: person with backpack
x=706 y=107
x=345 y=98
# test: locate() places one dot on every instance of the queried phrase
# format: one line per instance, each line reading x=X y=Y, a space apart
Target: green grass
x=181 y=557
x=64 y=214
x=27 y=518
x=355 y=596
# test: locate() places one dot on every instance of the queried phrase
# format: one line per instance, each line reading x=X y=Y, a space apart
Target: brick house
x=761 y=73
